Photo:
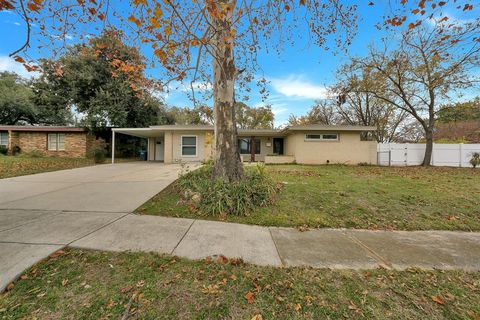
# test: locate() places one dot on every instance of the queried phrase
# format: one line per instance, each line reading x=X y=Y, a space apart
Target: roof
x=180 y=127
x=323 y=127
x=153 y=131
x=42 y=128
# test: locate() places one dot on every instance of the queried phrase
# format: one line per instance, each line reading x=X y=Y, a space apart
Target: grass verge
x=366 y=197
x=91 y=285
x=12 y=166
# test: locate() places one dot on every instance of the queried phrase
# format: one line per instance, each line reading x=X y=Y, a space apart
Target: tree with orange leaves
x=213 y=41
x=200 y=41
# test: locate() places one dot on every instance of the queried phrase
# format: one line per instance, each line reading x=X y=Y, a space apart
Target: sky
x=296 y=77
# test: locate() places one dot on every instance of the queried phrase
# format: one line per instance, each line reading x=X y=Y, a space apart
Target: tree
x=15 y=100
x=427 y=67
x=253 y=118
x=197 y=115
x=460 y=111
x=356 y=105
x=459 y=122
x=104 y=81
x=323 y=112
x=192 y=38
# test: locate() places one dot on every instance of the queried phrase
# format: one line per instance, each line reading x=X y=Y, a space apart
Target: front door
x=278 y=146
x=159 y=149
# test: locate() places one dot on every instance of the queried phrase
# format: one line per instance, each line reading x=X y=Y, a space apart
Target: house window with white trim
x=321 y=137
x=189 y=146
x=4 y=139
x=56 y=141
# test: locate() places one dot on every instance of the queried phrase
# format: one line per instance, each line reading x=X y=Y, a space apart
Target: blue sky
x=297 y=77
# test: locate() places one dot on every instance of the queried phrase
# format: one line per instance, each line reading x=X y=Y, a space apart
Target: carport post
x=113 y=146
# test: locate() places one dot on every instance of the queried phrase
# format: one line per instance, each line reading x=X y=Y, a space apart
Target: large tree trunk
x=428 y=147
x=227 y=165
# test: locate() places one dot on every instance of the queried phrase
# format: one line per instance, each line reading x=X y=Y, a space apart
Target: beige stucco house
x=312 y=144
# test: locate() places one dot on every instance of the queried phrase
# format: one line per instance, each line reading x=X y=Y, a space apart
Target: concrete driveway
x=42 y=213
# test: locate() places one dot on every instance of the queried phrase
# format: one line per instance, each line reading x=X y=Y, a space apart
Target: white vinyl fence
x=411 y=154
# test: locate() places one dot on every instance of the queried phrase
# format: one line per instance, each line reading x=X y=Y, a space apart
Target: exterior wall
x=177 y=146
x=168 y=145
x=266 y=147
x=13 y=140
x=279 y=159
x=151 y=149
x=75 y=143
x=349 y=149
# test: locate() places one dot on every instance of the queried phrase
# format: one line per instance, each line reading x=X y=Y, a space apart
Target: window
x=244 y=146
x=56 y=141
x=189 y=146
x=321 y=137
x=3 y=138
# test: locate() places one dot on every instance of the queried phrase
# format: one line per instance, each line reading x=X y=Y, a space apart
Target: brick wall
x=75 y=143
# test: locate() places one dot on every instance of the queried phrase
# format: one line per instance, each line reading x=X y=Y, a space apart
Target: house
x=309 y=144
x=49 y=140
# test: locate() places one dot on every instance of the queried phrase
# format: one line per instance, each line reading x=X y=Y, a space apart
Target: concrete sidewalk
x=40 y=233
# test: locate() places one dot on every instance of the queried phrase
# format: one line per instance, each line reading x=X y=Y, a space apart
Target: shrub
x=16 y=150
x=217 y=197
x=98 y=154
x=475 y=160
x=3 y=150
x=32 y=154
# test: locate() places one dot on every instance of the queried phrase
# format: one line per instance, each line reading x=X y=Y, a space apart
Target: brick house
x=51 y=141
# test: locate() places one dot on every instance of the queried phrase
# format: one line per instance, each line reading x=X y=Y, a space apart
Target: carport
x=155 y=141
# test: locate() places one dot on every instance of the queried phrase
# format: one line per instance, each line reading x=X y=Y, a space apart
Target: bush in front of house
x=16 y=150
x=210 y=196
x=475 y=160
x=98 y=154
x=3 y=150
x=32 y=154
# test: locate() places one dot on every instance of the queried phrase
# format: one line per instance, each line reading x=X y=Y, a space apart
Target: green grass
x=366 y=197
x=97 y=285
x=12 y=166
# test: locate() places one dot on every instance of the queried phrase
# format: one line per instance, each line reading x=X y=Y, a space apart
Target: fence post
x=406 y=154
x=460 y=151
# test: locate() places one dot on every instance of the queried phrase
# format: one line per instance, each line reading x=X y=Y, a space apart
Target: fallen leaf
x=438 y=299
x=24 y=277
x=111 y=304
x=250 y=297
x=233 y=277
x=297 y=306
x=126 y=289
x=64 y=282
x=10 y=286
x=222 y=259
x=40 y=295
x=257 y=317
x=140 y=283
x=211 y=289
x=57 y=254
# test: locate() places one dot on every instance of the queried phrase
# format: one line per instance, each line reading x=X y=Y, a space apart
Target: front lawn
x=99 y=285
x=366 y=197
x=12 y=166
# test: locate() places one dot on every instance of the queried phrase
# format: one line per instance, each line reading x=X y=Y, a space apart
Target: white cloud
x=8 y=64
x=433 y=22
x=295 y=86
